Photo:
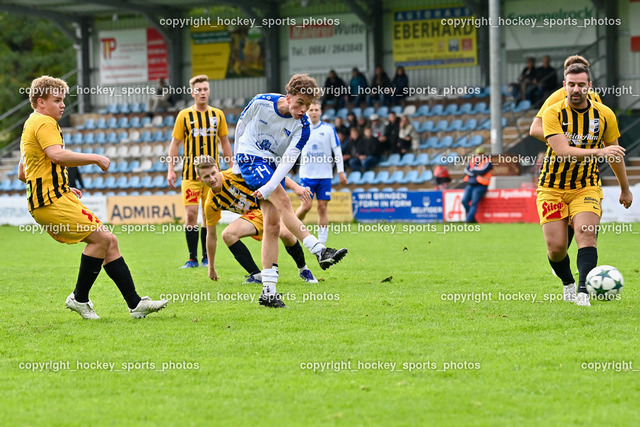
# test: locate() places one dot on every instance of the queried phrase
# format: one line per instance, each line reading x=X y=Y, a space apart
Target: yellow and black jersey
x=46 y=181
x=592 y=127
x=561 y=94
x=235 y=196
x=199 y=132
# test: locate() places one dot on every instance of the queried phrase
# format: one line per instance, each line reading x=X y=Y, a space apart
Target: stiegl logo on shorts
x=551 y=210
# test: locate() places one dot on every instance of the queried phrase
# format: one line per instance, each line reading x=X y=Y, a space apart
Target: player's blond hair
x=198 y=79
x=575 y=59
x=303 y=84
x=578 y=68
x=204 y=162
x=44 y=86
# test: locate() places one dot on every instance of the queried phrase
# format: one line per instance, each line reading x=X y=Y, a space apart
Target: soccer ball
x=604 y=283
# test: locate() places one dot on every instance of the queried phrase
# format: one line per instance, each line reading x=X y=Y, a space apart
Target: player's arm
x=618 y=167
x=226 y=150
x=337 y=155
x=303 y=193
x=212 y=239
x=21 y=175
x=67 y=158
x=536 y=129
x=174 y=147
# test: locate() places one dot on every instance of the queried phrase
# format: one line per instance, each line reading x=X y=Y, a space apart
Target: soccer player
x=198 y=129
x=578 y=132
x=271 y=131
x=316 y=168
x=230 y=192
x=560 y=95
x=56 y=206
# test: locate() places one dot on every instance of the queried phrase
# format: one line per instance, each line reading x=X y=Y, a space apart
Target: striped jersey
x=235 y=196
x=592 y=127
x=199 y=132
x=561 y=94
x=46 y=181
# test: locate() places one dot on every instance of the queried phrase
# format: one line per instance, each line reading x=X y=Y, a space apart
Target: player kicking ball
x=230 y=192
x=316 y=168
x=271 y=131
x=57 y=207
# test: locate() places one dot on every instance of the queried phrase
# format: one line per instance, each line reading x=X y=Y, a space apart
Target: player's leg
x=231 y=235
x=191 y=191
x=477 y=193
x=554 y=217
x=292 y=245
x=203 y=228
x=326 y=256
x=323 y=191
x=305 y=206
x=466 y=197
x=271 y=223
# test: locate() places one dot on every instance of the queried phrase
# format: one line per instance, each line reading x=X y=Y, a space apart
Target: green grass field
x=395 y=352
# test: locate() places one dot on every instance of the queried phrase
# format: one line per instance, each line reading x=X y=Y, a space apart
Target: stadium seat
x=145 y=182
x=135 y=122
x=441 y=126
x=465 y=108
x=110 y=183
x=168 y=135
x=112 y=109
x=169 y=121
x=508 y=106
x=423 y=111
x=157 y=121
x=437 y=110
x=145 y=122
x=99 y=138
x=88 y=183
x=381 y=177
x=135 y=108
x=111 y=151
x=373 y=190
x=158 y=136
x=354 y=177
x=407 y=159
x=367 y=177
x=5 y=185
x=122 y=182
x=228 y=103
x=475 y=141
x=112 y=138
x=18 y=185
x=425 y=176
x=77 y=138
x=368 y=112
x=123 y=123
x=383 y=111
x=446 y=142
x=123 y=137
x=88 y=150
x=134 y=151
x=158 y=182
x=411 y=175
x=89 y=124
x=456 y=125
x=485 y=125
x=99 y=150
x=101 y=123
x=388 y=189
x=122 y=167
x=408 y=110
x=462 y=142
x=480 y=108
x=395 y=177
x=342 y=113
x=393 y=160
x=146 y=193
x=426 y=126
x=358 y=190
x=144 y=166
x=134 y=136
x=159 y=150
x=357 y=111
x=431 y=142
x=422 y=159
x=133 y=164
x=469 y=125
x=451 y=109
x=14 y=171
x=146 y=136
x=134 y=193
x=330 y=113
x=231 y=118
x=524 y=105
x=112 y=123
x=240 y=102
x=98 y=183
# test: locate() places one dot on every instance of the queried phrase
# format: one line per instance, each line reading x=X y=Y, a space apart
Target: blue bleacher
x=437 y=110
x=395 y=177
x=451 y=109
x=456 y=125
x=98 y=183
x=134 y=123
x=88 y=150
x=135 y=164
x=354 y=177
x=469 y=125
x=77 y=138
x=110 y=183
x=169 y=121
x=112 y=109
x=122 y=182
x=421 y=160
x=99 y=150
x=397 y=109
x=446 y=142
x=383 y=111
x=427 y=126
x=14 y=171
x=431 y=142
x=122 y=136
x=342 y=113
x=146 y=136
x=441 y=126
x=87 y=125
x=381 y=177
x=101 y=123
x=231 y=118
x=358 y=190
x=112 y=123
x=368 y=112
x=146 y=193
x=5 y=185
x=475 y=141
x=158 y=136
x=158 y=182
x=367 y=177
x=123 y=122
x=112 y=138
x=407 y=159
x=393 y=160
x=357 y=111
x=425 y=176
x=462 y=142
x=18 y=185
x=145 y=182
x=480 y=108
x=423 y=111
x=411 y=175
x=146 y=121
x=524 y=105
x=465 y=108
x=124 y=108
x=330 y=113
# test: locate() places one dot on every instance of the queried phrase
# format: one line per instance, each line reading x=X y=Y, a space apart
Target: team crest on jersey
x=264 y=145
x=594 y=126
x=287 y=131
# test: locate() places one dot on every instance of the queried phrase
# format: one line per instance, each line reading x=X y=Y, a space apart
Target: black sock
x=569 y=236
x=192 y=241
x=120 y=274
x=587 y=261
x=203 y=241
x=243 y=256
x=297 y=254
x=87 y=275
x=563 y=270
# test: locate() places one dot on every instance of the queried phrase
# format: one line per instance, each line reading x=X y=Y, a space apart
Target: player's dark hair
x=575 y=59
x=303 y=84
x=578 y=69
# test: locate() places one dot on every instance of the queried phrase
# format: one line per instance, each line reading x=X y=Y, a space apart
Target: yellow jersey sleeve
x=178 y=127
x=211 y=213
x=47 y=134
x=556 y=96
x=612 y=132
x=223 y=130
x=550 y=122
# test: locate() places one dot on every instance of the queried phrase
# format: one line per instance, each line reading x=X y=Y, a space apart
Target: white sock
x=312 y=244
x=269 y=280
x=300 y=270
x=323 y=233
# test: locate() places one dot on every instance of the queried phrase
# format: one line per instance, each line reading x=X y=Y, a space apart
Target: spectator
x=163 y=98
x=378 y=129
x=442 y=178
x=477 y=176
x=357 y=85
x=527 y=82
x=345 y=143
x=380 y=87
x=351 y=120
x=547 y=79
x=340 y=126
x=365 y=150
x=335 y=91
x=391 y=133
x=408 y=138
x=75 y=178
x=400 y=84
x=362 y=123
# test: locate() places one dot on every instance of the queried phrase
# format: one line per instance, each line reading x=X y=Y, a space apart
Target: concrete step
x=612 y=180
x=633 y=161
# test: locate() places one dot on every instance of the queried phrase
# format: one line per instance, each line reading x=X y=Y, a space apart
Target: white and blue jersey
x=316 y=160
x=266 y=133
x=266 y=139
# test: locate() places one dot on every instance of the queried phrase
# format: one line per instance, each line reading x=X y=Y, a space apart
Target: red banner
x=504 y=205
x=157 y=55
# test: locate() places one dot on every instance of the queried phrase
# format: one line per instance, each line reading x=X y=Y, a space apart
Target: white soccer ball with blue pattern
x=604 y=283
